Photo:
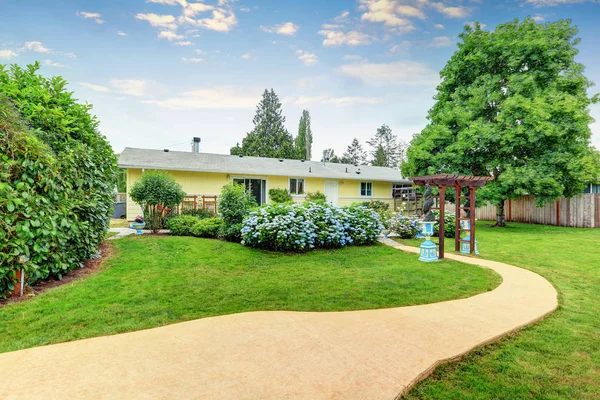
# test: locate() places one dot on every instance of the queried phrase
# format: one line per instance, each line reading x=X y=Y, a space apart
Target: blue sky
x=159 y=72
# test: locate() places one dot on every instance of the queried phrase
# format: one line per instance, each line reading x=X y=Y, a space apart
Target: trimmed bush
x=449 y=224
x=301 y=227
x=157 y=193
x=182 y=225
x=280 y=196
x=198 y=212
x=207 y=228
x=234 y=205
x=404 y=226
x=315 y=196
x=57 y=175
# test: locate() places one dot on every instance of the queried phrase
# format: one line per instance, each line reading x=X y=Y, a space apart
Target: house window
x=296 y=186
x=366 y=189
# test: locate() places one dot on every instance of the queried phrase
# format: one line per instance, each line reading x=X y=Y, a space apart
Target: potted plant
x=138 y=224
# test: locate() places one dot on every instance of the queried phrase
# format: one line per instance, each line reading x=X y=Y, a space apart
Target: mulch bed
x=89 y=267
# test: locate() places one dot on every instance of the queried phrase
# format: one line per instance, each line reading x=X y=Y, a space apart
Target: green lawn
x=558 y=358
x=157 y=280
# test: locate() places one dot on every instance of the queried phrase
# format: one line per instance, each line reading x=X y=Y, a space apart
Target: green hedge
x=207 y=228
x=182 y=225
x=57 y=177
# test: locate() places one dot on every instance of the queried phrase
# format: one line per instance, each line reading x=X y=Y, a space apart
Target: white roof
x=206 y=162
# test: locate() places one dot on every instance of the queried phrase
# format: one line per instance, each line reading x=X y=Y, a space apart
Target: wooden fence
x=580 y=211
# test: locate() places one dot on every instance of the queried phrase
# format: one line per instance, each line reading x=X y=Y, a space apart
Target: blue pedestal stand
x=465 y=243
x=428 y=248
x=138 y=228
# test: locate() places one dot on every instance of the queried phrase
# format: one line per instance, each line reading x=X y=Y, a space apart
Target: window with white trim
x=366 y=189
x=297 y=186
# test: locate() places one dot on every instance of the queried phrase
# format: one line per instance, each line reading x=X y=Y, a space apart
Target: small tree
x=157 y=192
x=234 y=204
x=277 y=195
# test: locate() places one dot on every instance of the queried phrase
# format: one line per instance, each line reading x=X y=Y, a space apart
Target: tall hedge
x=57 y=177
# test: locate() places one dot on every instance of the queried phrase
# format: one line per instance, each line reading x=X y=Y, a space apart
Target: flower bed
x=301 y=227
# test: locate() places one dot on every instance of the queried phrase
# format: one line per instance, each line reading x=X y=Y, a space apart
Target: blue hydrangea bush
x=302 y=227
x=404 y=226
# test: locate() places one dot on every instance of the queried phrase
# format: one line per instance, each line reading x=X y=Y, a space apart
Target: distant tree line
x=270 y=138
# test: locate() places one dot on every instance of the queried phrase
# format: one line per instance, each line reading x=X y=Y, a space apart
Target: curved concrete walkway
x=373 y=354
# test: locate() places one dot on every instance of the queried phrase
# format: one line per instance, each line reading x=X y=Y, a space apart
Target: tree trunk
x=500 y=216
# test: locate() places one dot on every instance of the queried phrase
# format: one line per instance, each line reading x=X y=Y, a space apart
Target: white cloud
x=332 y=26
x=198 y=51
x=192 y=59
x=66 y=54
x=473 y=23
x=7 y=54
x=91 y=15
x=342 y=17
x=337 y=101
x=392 y=13
x=96 y=88
x=246 y=56
x=309 y=59
x=451 y=12
x=338 y=38
x=224 y=97
x=184 y=43
x=401 y=47
x=159 y=21
x=538 y=18
x=37 y=47
x=404 y=73
x=439 y=26
x=120 y=33
x=169 y=35
x=55 y=64
x=244 y=9
x=441 y=41
x=221 y=21
x=168 y=2
x=287 y=29
x=133 y=87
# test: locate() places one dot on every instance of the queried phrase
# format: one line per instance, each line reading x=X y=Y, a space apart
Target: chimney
x=196 y=145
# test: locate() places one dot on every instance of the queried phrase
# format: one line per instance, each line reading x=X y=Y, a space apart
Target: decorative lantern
x=428 y=248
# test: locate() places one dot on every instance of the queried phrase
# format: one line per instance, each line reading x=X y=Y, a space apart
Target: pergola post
x=457 y=219
x=442 y=217
x=472 y=217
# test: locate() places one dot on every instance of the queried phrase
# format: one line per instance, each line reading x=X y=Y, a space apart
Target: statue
x=428 y=204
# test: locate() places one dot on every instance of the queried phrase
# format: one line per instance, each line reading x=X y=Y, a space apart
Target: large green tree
x=512 y=104
x=269 y=138
x=303 y=142
x=355 y=154
x=386 y=149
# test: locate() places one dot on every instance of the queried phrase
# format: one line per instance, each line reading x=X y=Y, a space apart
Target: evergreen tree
x=331 y=157
x=385 y=148
x=512 y=104
x=380 y=158
x=355 y=154
x=269 y=138
x=303 y=142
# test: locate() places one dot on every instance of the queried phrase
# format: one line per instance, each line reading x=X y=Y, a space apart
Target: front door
x=257 y=187
x=331 y=192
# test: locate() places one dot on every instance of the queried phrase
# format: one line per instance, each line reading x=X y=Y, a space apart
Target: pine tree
x=303 y=142
x=330 y=156
x=386 y=149
x=269 y=138
x=355 y=154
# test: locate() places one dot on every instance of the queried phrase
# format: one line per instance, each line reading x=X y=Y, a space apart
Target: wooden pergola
x=458 y=182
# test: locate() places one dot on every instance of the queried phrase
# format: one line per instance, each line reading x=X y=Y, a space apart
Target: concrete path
x=374 y=354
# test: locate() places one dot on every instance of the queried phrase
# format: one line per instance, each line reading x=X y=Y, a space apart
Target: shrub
x=57 y=174
x=182 y=225
x=157 y=193
x=449 y=224
x=404 y=226
x=315 y=196
x=300 y=227
x=280 y=196
x=381 y=208
x=207 y=228
x=198 y=212
x=234 y=204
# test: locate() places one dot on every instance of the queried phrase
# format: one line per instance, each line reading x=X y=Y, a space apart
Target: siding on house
x=210 y=183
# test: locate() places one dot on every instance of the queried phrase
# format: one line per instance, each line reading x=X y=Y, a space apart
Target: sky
x=159 y=72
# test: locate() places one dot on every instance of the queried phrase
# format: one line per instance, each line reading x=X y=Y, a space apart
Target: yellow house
x=205 y=174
